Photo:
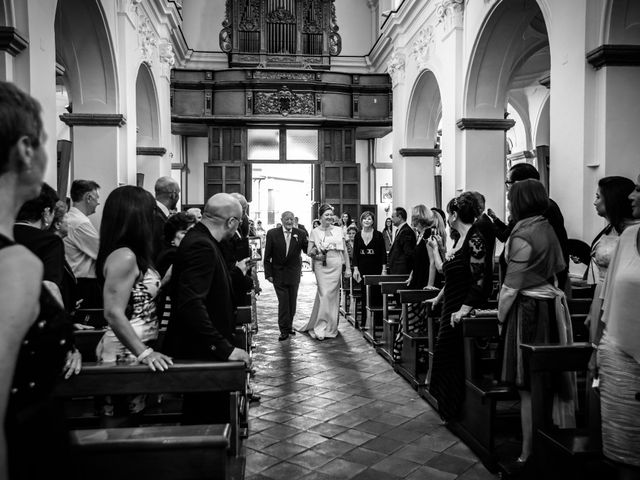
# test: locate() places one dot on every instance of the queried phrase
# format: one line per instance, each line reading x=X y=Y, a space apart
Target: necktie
x=287 y=240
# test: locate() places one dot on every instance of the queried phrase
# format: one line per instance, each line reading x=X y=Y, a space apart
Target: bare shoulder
x=17 y=262
x=121 y=263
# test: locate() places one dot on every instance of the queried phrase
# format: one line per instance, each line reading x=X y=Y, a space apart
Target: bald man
x=167 y=196
x=202 y=321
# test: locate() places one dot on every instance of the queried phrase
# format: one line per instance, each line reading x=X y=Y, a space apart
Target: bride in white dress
x=327 y=248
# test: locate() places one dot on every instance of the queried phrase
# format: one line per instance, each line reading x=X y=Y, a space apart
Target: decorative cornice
x=420 y=152
x=151 y=151
x=614 y=56
x=12 y=41
x=450 y=13
x=485 y=124
x=94 y=119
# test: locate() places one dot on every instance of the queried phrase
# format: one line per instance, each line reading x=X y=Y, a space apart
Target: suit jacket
x=159 y=220
x=284 y=268
x=400 y=258
x=202 y=315
x=304 y=230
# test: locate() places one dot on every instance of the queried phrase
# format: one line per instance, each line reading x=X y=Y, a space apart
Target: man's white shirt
x=81 y=244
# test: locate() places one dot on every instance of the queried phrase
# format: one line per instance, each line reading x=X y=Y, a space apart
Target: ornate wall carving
x=275 y=75
x=422 y=46
x=147 y=39
x=450 y=13
x=250 y=16
x=226 y=34
x=283 y=102
x=335 y=40
x=312 y=17
x=395 y=66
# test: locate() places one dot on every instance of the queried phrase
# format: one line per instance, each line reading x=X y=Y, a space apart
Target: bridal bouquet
x=324 y=247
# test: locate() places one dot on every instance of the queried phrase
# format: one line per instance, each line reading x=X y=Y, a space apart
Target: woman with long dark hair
x=387 y=234
x=130 y=283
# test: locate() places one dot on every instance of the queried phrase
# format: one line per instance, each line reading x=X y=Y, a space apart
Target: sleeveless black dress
x=37 y=440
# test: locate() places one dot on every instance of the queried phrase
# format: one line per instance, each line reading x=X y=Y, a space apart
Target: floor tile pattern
x=335 y=409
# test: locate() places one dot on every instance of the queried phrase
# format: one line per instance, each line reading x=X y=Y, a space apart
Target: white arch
x=500 y=48
x=85 y=47
x=424 y=113
x=621 y=22
x=147 y=118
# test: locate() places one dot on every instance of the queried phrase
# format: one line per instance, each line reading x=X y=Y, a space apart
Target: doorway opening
x=278 y=188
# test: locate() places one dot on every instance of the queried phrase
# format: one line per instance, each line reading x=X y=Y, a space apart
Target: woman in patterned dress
x=464 y=279
x=130 y=283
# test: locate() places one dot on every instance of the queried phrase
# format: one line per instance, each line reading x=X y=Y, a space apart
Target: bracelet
x=145 y=353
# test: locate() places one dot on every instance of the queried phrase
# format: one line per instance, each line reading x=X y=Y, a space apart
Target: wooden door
x=224 y=177
x=340 y=186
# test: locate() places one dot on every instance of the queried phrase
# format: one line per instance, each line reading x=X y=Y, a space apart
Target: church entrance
x=278 y=188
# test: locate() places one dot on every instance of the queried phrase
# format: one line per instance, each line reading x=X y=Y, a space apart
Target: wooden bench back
x=376 y=279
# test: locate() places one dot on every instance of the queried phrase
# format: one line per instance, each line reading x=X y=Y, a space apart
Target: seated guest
x=423 y=274
x=619 y=351
x=130 y=285
x=465 y=277
x=196 y=213
x=82 y=240
x=35 y=336
x=531 y=307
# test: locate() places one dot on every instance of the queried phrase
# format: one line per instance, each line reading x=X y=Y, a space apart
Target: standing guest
x=202 y=321
x=299 y=226
x=82 y=241
x=315 y=223
x=423 y=274
x=387 y=234
x=619 y=351
x=167 y=195
x=400 y=257
x=369 y=253
x=484 y=224
x=345 y=221
x=283 y=268
x=612 y=203
x=35 y=337
x=328 y=250
x=464 y=287
x=174 y=231
x=130 y=282
x=531 y=308
x=60 y=227
x=517 y=173
x=195 y=212
x=349 y=242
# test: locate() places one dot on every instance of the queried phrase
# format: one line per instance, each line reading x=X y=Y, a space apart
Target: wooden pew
x=182 y=377
x=480 y=424
x=390 y=318
x=408 y=366
x=373 y=303
x=354 y=315
x=564 y=453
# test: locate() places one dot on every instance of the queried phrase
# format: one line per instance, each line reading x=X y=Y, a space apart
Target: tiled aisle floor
x=335 y=409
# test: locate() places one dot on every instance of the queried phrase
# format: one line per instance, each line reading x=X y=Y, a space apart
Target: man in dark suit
x=400 y=258
x=167 y=195
x=484 y=224
x=299 y=226
x=283 y=267
x=517 y=173
x=202 y=321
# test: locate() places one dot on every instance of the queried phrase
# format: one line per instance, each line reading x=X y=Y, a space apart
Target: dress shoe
x=292 y=332
x=283 y=336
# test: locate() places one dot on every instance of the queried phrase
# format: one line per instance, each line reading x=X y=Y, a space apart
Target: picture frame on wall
x=386 y=194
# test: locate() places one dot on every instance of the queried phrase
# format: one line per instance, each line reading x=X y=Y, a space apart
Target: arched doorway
x=509 y=64
x=148 y=151
x=422 y=153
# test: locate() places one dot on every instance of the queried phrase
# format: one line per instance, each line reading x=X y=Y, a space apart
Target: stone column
x=417 y=182
x=484 y=149
x=96 y=143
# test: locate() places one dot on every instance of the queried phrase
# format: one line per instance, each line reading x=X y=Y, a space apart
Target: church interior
x=366 y=105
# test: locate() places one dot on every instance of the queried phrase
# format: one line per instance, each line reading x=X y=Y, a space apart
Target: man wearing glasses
x=202 y=321
x=517 y=173
x=82 y=241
